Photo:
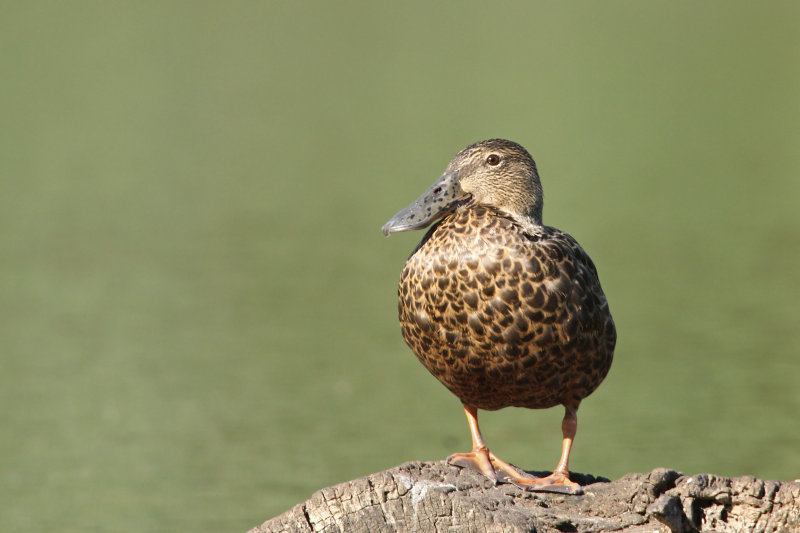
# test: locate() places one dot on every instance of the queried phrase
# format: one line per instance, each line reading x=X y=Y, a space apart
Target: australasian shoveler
x=503 y=310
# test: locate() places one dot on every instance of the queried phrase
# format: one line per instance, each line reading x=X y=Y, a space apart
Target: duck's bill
x=438 y=200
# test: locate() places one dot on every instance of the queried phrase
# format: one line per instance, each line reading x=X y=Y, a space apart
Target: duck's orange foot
x=555 y=482
x=479 y=459
x=498 y=471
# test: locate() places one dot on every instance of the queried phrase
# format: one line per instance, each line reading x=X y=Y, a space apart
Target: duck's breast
x=504 y=316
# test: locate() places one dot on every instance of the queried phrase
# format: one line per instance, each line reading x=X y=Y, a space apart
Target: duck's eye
x=493 y=160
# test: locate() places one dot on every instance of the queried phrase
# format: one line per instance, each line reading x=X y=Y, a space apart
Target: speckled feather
x=504 y=313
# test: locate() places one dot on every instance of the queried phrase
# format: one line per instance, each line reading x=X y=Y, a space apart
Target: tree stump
x=436 y=497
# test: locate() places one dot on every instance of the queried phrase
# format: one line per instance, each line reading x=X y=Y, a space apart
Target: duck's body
x=504 y=315
x=503 y=310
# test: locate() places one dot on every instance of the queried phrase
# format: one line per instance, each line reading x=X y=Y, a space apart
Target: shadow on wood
x=437 y=497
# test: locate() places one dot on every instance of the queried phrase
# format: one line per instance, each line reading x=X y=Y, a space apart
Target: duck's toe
x=478 y=459
x=555 y=482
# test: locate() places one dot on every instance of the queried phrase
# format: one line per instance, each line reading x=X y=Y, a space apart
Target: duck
x=503 y=310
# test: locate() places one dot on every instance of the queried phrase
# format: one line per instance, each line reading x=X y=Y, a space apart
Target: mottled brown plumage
x=503 y=310
x=503 y=316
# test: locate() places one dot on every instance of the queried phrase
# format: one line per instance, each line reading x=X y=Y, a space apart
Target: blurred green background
x=198 y=308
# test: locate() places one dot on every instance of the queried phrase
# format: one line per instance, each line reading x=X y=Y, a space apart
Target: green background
x=197 y=307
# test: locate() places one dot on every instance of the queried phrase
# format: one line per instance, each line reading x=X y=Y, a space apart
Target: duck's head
x=495 y=173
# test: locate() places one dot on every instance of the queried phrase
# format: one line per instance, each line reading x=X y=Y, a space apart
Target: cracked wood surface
x=433 y=496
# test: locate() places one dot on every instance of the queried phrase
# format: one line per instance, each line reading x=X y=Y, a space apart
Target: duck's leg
x=559 y=480
x=497 y=470
x=480 y=457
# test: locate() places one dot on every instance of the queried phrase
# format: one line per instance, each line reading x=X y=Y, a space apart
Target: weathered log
x=421 y=497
